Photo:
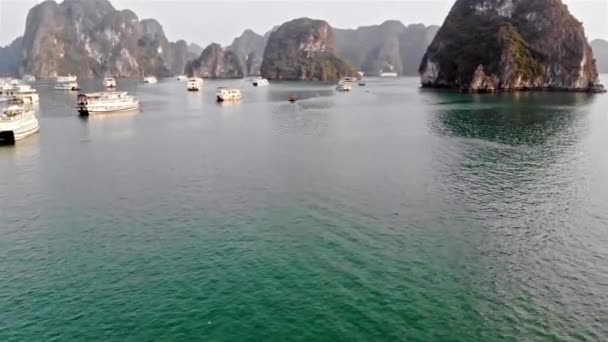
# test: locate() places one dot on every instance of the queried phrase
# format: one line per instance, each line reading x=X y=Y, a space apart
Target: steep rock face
x=303 y=49
x=390 y=46
x=600 y=51
x=413 y=43
x=216 y=62
x=11 y=58
x=494 y=45
x=153 y=49
x=249 y=47
x=179 y=55
x=195 y=49
x=90 y=38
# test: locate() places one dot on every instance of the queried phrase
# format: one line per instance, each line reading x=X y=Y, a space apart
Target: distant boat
x=345 y=84
x=22 y=93
x=69 y=86
x=228 y=94
x=292 y=99
x=105 y=102
x=182 y=77
x=388 y=74
x=109 y=82
x=194 y=84
x=29 y=78
x=16 y=123
x=150 y=80
x=69 y=78
x=260 y=82
x=360 y=73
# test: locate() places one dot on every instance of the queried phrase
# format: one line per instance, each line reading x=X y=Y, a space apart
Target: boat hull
x=85 y=111
x=224 y=99
x=12 y=136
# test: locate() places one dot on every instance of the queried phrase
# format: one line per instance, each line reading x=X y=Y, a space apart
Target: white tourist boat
x=23 y=93
x=109 y=82
x=16 y=123
x=150 y=80
x=388 y=74
x=182 y=77
x=228 y=94
x=345 y=84
x=344 y=87
x=28 y=78
x=260 y=82
x=4 y=89
x=105 y=102
x=194 y=84
x=69 y=86
x=65 y=79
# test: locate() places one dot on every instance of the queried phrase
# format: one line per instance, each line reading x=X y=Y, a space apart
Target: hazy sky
x=206 y=21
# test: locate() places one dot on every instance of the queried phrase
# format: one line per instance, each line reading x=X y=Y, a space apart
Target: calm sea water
x=388 y=213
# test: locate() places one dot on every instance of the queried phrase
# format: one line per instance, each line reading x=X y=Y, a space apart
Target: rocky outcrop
x=303 y=49
x=216 y=62
x=178 y=56
x=90 y=38
x=600 y=51
x=390 y=46
x=11 y=58
x=195 y=49
x=249 y=47
x=498 y=45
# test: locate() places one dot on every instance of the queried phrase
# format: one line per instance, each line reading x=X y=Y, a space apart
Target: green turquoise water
x=384 y=214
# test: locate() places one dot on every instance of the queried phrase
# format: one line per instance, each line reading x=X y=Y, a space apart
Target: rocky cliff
x=216 y=62
x=600 y=51
x=390 y=46
x=303 y=49
x=249 y=47
x=90 y=38
x=494 y=45
x=195 y=49
x=11 y=58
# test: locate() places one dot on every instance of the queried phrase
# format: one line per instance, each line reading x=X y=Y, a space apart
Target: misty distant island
x=481 y=47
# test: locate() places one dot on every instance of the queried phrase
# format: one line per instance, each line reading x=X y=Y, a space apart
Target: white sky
x=206 y=21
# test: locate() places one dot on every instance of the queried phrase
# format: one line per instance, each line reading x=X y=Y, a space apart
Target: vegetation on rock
x=304 y=49
x=524 y=44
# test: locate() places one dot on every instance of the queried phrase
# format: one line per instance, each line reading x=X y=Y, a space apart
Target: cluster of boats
x=19 y=119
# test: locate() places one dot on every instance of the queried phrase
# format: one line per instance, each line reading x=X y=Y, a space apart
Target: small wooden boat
x=292 y=99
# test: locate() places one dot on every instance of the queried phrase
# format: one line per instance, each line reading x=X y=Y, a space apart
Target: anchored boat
x=345 y=84
x=260 y=82
x=69 y=86
x=22 y=93
x=228 y=94
x=109 y=82
x=105 y=102
x=194 y=84
x=16 y=123
x=150 y=80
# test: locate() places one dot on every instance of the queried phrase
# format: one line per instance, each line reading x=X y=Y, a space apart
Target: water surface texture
x=385 y=214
